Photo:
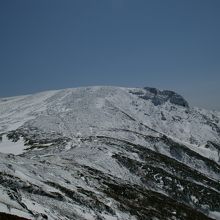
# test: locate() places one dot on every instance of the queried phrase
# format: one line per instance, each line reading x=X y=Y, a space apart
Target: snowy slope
x=91 y=153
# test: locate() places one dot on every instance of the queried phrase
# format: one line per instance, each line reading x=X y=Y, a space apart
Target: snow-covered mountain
x=108 y=153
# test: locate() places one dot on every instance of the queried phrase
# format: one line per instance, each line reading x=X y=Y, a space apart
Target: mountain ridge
x=88 y=145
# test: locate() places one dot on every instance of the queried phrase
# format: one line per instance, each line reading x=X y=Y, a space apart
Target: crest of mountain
x=108 y=153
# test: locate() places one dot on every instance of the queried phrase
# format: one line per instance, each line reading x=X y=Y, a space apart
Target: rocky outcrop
x=160 y=97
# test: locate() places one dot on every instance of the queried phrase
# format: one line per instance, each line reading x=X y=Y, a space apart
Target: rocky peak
x=160 y=97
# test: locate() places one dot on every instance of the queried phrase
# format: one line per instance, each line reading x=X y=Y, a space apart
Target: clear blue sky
x=168 y=44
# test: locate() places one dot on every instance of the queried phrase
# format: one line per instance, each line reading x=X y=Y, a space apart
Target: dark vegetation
x=5 y=216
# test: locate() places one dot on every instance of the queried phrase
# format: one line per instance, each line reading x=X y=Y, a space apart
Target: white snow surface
x=97 y=110
x=81 y=114
x=9 y=147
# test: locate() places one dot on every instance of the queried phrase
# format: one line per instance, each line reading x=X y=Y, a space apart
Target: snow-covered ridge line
x=104 y=152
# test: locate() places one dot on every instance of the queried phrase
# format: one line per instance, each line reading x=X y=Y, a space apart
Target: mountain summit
x=108 y=153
